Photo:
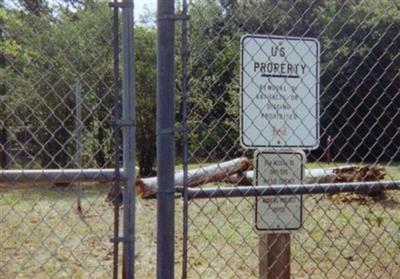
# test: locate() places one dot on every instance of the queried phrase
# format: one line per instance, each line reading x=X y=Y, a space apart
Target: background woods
x=48 y=47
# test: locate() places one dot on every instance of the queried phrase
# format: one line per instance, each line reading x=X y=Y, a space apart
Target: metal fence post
x=116 y=192
x=129 y=143
x=165 y=138
x=185 y=145
x=78 y=143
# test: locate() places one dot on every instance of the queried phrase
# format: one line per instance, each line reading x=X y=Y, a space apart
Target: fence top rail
x=59 y=175
x=293 y=189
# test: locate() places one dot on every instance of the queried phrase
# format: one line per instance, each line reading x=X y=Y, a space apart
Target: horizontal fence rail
x=292 y=189
x=60 y=175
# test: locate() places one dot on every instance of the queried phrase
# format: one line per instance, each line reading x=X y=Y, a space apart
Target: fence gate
x=280 y=78
x=65 y=113
x=289 y=139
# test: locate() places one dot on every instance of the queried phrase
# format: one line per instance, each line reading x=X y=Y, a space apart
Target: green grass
x=336 y=241
x=43 y=236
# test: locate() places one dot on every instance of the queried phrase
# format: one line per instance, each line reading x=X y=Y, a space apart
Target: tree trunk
x=147 y=187
x=3 y=147
x=346 y=173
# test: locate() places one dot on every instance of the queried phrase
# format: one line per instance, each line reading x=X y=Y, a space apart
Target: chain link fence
x=344 y=235
x=56 y=106
x=56 y=113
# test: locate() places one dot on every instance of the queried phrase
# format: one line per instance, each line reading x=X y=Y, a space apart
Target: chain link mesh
x=352 y=235
x=56 y=105
x=54 y=51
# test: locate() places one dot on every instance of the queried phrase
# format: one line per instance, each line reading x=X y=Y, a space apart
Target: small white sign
x=279 y=92
x=280 y=212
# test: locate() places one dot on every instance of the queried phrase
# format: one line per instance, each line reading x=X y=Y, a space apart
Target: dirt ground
x=43 y=236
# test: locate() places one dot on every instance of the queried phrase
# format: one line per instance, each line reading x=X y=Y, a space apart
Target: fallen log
x=147 y=187
x=348 y=173
x=320 y=175
x=339 y=174
x=238 y=172
x=360 y=173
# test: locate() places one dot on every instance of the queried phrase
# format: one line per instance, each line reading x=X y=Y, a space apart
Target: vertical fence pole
x=78 y=143
x=3 y=130
x=185 y=151
x=165 y=138
x=116 y=191
x=129 y=141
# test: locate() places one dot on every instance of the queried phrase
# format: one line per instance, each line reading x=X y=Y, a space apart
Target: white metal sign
x=279 y=212
x=279 y=92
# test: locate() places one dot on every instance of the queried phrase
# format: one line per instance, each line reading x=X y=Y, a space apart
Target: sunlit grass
x=43 y=236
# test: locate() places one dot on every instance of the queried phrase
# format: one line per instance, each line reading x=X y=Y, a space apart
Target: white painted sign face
x=279 y=92
x=281 y=212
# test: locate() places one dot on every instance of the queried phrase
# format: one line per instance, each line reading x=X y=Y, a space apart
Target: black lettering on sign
x=276 y=49
x=283 y=70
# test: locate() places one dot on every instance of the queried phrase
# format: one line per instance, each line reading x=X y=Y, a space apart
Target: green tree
x=46 y=55
x=146 y=65
x=360 y=81
x=359 y=71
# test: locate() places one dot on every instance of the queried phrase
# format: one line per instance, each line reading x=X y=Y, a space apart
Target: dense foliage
x=48 y=47
x=360 y=64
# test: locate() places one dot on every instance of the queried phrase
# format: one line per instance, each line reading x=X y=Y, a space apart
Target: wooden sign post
x=276 y=215
x=274 y=253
